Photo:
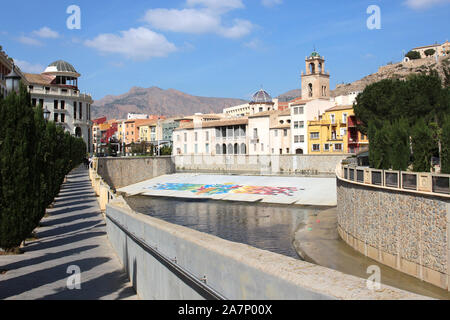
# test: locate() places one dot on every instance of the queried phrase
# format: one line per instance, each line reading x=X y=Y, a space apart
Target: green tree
x=379 y=145
x=423 y=145
x=413 y=55
x=400 y=147
x=429 y=52
x=20 y=183
x=445 y=154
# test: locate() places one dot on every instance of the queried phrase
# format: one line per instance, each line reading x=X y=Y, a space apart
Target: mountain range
x=157 y=101
x=172 y=102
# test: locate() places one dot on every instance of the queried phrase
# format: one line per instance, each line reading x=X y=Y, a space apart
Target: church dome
x=315 y=54
x=261 y=97
x=59 y=67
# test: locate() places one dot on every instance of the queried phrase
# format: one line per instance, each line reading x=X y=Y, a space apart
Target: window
x=196 y=148
x=41 y=102
x=207 y=137
x=299 y=110
x=338 y=147
x=281 y=151
x=262 y=147
x=185 y=137
x=276 y=133
x=316 y=147
x=33 y=102
x=273 y=151
x=299 y=139
x=185 y=148
x=196 y=136
x=178 y=138
x=333 y=118
x=207 y=148
x=260 y=109
x=55 y=104
x=315 y=135
x=81 y=111
x=326 y=147
x=302 y=124
x=255 y=133
x=344 y=118
x=63 y=118
x=285 y=132
x=287 y=150
x=63 y=105
x=296 y=124
x=55 y=117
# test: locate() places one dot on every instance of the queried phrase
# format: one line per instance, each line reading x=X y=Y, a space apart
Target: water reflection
x=268 y=227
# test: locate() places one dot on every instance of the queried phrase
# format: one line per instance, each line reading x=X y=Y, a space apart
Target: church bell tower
x=315 y=83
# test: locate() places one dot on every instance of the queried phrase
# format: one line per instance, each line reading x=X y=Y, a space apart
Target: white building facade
x=56 y=89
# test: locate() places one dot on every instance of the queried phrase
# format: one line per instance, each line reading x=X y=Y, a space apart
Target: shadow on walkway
x=73 y=234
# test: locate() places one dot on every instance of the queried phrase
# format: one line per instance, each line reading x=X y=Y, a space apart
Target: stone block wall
x=122 y=172
x=404 y=230
x=276 y=164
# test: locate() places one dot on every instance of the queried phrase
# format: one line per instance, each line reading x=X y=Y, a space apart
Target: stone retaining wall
x=122 y=172
x=276 y=164
x=405 y=230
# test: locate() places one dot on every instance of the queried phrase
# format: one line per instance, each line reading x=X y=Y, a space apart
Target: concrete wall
x=122 y=172
x=236 y=271
x=276 y=164
x=407 y=231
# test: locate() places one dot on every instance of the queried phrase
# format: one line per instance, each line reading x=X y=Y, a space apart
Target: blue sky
x=219 y=48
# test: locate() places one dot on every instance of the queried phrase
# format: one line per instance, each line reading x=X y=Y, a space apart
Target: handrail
x=424 y=182
x=199 y=285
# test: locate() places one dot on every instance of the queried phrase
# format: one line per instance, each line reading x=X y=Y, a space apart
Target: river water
x=267 y=227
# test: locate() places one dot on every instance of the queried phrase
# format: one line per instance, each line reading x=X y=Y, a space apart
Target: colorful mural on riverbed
x=219 y=189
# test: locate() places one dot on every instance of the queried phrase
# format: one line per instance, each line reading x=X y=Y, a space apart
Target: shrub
x=413 y=55
x=429 y=52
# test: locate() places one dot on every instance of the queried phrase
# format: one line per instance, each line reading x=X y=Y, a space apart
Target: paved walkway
x=73 y=234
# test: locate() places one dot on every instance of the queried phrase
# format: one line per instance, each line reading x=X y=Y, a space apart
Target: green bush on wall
x=34 y=159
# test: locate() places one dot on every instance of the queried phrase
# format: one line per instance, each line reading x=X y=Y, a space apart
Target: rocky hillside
x=394 y=71
x=290 y=95
x=158 y=101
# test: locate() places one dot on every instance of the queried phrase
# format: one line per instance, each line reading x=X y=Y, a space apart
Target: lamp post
x=46 y=114
x=12 y=81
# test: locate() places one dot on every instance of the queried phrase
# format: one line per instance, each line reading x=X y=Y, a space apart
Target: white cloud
x=136 y=44
x=271 y=3
x=29 y=41
x=199 y=20
x=424 y=4
x=253 y=44
x=219 y=6
x=28 y=67
x=186 y=20
x=46 y=32
x=240 y=29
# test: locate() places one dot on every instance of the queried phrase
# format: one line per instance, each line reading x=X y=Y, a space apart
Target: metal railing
x=438 y=184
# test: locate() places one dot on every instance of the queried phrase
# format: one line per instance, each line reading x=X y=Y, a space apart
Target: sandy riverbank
x=317 y=241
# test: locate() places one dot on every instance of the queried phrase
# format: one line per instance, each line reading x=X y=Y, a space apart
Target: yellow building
x=329 y=133
x=148 y=131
